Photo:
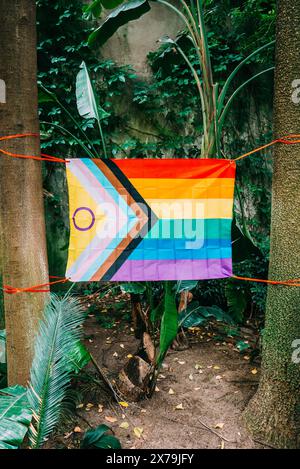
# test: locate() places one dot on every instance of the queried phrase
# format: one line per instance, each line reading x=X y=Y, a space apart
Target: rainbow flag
x=150 y=219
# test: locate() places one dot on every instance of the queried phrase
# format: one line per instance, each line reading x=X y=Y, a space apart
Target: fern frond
x=59 y=333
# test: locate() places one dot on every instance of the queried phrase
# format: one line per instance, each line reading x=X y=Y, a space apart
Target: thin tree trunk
x=24 y=258
x=272 y=414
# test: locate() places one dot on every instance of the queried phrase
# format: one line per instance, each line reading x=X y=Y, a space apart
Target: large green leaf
x=126 y=12
x=60 y=330
x=169 y=322
x=100 y=438
x=133 y=287
x=195 y=315
x=86 y=99
x=79 y=357
x=15 y=416
x=186 y=285
x=92 y=10
x=110 y=4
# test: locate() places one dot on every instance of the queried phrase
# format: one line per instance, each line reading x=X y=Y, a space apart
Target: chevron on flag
x=150 y=219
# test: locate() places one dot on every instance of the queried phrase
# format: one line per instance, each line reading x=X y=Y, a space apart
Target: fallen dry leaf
x=219 y=425
x=254 y=371
x=129 y=355
x=110 y=419
x=219 y=377
x=156 y=388
x=115 y=354
x=216 y=367
x=79 y=406
x=138 y=431
x=191 y=377
x=181 y=362
x=122 y=345
x=179 y=407
x=197 y=389
x=171 y=391
x=124 y=404
x=77 y=430
x=124 y=425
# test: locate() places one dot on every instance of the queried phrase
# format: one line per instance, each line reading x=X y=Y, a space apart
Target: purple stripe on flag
x=179 y=269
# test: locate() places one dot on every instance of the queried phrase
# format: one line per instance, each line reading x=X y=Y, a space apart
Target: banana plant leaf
x=86 y=99
x=169 y=323
x=110 y=4
x=126 y=12
x=15 y=416
x=195 y=315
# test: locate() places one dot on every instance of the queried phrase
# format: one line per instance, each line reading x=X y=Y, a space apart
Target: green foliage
x=58 y=355
x=100 y=438
x=186 y=285
x=169 y=323
x=87 y=102
x=133 y=287
x=58 y=338
x=78 y=358
x=15 y=416
x=129 y=11
x=194 y=315
x=236 y=301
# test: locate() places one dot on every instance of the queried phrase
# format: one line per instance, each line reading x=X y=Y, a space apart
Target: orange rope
x=290 y=283
x=35 y=288
x=287 y=140
x=43 y=157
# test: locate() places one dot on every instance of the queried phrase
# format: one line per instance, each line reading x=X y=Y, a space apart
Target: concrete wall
x=133 y=41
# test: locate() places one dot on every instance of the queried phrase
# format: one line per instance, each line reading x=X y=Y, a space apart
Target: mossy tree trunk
x=272 y=415
x=23 y=257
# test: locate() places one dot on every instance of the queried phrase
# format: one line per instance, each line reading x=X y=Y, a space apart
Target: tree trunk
x=272 y=414
x=24 y=258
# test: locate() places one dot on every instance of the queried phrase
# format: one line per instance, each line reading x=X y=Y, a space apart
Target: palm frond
x=59 y=333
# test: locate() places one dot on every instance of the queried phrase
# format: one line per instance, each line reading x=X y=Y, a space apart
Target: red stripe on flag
x=177 y=168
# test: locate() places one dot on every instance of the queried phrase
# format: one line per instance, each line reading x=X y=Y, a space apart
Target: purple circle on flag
x=90 y=225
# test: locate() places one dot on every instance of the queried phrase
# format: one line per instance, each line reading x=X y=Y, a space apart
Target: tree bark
x=272 y=414
x=24 y=258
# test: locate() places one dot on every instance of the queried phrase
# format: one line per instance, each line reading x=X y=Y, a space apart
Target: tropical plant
x=100 y=437
x=58 y=354
x=88 y=108
x=213 y=103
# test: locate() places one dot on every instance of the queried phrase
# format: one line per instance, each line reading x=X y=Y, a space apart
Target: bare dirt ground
x=198 y=403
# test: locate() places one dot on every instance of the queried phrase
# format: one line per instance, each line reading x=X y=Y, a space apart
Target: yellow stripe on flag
x=187 y=208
